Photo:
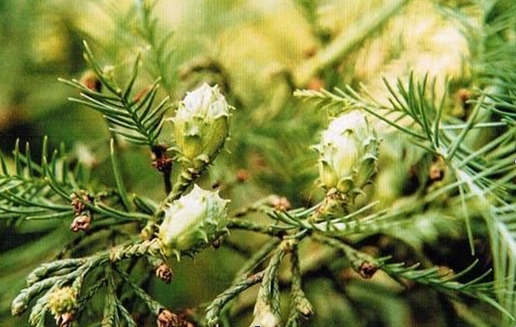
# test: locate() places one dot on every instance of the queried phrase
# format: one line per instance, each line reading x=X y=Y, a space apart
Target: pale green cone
x=265 y=315
x=348 y=154
x=201 y=125
x=193 y=222
x=62 y=300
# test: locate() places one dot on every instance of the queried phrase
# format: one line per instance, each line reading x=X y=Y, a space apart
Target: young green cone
x=201 y=125
x=348 y=154
x=62 y=301
x=193 y=222
x=265 y=315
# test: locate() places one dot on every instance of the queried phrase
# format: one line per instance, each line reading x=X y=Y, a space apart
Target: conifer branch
x=132 y=116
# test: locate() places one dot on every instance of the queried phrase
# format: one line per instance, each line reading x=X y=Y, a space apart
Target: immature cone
x=201 y=125
x=193 y=222
x=265 y=315
x=348 y=154
x=62 y=301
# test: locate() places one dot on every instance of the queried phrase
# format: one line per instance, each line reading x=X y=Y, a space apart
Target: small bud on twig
x=242 y=175
x=65 y=320
x=78 y=205
x=81 y=222
x=83 y=216
x=167 y=319
x=437 y=169
x=91 y=81
x=367 y=270
x=160 y=160
x=281 y=203
x=164 y=272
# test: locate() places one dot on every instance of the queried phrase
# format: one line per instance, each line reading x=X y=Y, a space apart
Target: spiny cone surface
x=193 y=222
x=348 y=154
x=201 y=125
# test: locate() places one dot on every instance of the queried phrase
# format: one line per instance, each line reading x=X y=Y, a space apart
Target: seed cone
x=193 y=222
x=348 y=154
x=201 y=126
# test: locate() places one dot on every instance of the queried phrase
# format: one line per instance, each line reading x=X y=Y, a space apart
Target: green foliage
x=296 y=254
x=135 y=118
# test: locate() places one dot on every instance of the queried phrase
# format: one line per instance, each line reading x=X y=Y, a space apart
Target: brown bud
x=164 y=272
x=183 y=317
x=160 y=160
x=281 y=203
x=167 y=319
x=367 y=270
x=91 y=81
x=77 y=205
x=81 y=222
x=65 y=320
x=437 y=170
x=217 y=243
x=242 y=175
x=315 y=84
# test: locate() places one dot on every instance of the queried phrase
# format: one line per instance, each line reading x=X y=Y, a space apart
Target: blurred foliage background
x=259 y=52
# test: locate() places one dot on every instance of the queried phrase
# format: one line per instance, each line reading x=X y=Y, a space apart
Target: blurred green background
x=256 y=51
